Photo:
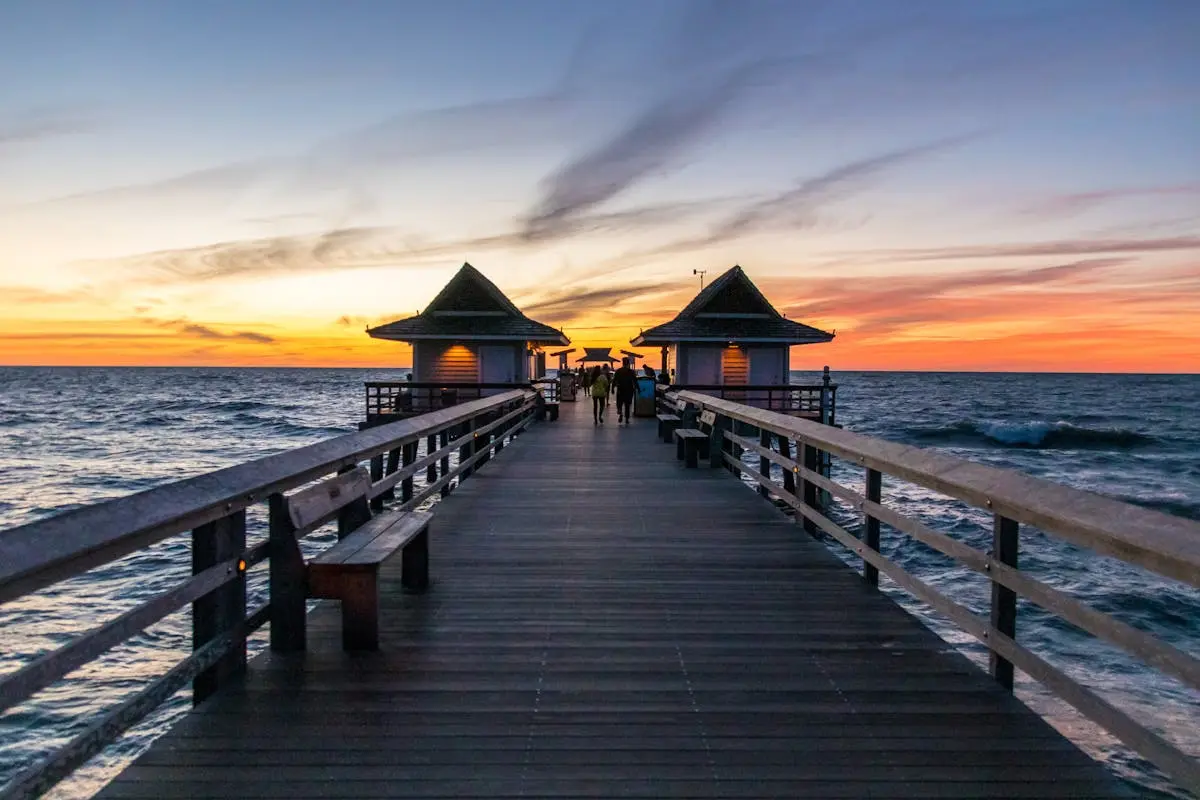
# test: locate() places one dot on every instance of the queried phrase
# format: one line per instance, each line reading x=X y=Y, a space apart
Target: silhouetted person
x=625 y=386
x=599 y=384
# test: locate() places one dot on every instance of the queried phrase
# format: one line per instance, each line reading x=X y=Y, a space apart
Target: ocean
x=74 y=436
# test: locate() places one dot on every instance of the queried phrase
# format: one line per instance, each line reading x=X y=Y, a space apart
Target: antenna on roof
x=701 y=273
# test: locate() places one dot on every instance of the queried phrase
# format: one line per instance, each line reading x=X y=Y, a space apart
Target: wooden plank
x=395 y=536
x=1160 y=542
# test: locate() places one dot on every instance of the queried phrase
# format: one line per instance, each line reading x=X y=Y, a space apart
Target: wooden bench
x=692 y=443
x=667 y=423
x=349 y=571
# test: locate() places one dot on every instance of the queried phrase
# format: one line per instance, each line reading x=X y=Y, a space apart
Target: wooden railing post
x=393 y=463
x=717 y=441
x=376 y=475
x=468 y=448
x=808 y=490
x=408 y=454
x=484 y=442
x=825 y=397
x=431 y=472
x=222 y=609
x=764 y=464
x=789 y=477
x=1005 y=536
x=443 y=440
x=287 y=580
x=874 y=488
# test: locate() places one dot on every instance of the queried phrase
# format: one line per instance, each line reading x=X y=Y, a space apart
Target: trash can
x=643 y=401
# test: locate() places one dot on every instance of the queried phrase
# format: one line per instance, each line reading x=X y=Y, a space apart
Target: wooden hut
x=470 y=341
x=730 y=341
x=596 y=355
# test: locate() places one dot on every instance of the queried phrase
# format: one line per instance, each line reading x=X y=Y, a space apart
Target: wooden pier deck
x=604 y=624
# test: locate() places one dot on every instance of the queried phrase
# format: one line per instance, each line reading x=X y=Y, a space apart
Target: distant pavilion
x=471 y=340
x=729 y=335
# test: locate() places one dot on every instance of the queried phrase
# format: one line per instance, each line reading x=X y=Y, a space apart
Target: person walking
x=625 y=385
x=599 y=384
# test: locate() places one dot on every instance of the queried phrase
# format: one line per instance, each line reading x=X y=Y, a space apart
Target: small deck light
x=241 y=567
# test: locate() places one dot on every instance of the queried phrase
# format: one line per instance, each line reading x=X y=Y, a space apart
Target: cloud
x=35 y=126
x=1063 y=247
x=798 y=207
x=569 y=304
x=882 y=306
x=187 y=328
x=205 y=332
x=648 y=144
x=32 y=295
x=1072 y=204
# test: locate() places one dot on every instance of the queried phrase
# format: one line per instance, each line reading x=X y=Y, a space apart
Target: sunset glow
x=949 y=186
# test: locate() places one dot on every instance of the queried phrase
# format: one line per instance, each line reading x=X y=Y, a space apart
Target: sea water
x=74 y=436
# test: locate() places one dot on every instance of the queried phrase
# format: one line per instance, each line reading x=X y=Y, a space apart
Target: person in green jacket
x=599 y=395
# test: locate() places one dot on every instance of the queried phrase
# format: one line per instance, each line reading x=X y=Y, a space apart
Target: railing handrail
x=1160 y=542
x=809 y=387
x=453 y=384
x=40 y=553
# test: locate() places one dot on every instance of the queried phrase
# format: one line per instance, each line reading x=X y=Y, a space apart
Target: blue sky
x=180 y=152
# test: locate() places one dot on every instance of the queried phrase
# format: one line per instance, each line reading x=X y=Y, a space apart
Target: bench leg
x=693 y=460
x=414 y=563
x=360 y=611
x=680 y=448
x=660 y=429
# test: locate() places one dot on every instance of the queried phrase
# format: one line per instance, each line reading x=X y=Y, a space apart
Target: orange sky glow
x=1063 y=318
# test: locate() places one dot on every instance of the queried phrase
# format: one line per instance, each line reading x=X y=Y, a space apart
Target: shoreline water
x=78 y=435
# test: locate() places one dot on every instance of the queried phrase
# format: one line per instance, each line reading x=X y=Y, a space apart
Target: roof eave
x=470 y=337
x=671 y=340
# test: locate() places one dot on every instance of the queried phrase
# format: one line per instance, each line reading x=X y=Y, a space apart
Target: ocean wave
x=1037 y=434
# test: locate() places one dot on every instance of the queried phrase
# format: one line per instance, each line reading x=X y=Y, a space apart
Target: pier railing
x=1164 y=544
x=817 y=401
x=411 y=398
x=213 y=507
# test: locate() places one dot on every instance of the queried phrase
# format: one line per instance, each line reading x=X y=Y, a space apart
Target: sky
x=1008 y=185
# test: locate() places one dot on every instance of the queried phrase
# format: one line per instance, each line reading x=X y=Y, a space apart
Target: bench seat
x=349 y=571
x=666 y=424
x=690 y=445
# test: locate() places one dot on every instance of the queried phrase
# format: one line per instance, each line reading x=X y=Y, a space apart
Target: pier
x=600 y=620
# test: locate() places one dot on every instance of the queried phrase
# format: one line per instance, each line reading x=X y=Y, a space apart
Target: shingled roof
x=470 y=307
x=731 y=309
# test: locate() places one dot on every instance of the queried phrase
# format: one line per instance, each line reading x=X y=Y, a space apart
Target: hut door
x=496 y=365
x=766 y=369
x=703 y=366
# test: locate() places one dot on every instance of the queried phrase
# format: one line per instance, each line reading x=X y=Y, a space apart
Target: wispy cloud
x=884 y=305
x=205 y=332
x=650 y=143
x=1063 y=247
x=187 y=328
x=1074 y=203
x=800 y=206
x=564 y=306
x=32 y=126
